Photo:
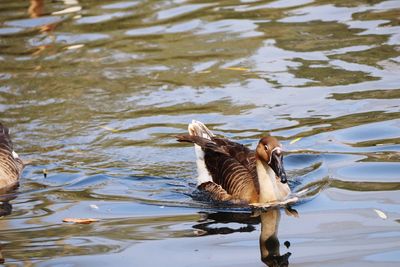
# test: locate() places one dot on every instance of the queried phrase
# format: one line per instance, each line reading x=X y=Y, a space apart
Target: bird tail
x=197 y=128
x=201 y=136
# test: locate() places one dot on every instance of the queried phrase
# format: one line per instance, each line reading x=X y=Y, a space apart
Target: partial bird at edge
x=11 y=165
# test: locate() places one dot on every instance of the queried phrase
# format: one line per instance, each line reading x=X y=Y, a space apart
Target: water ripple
x=95 y=93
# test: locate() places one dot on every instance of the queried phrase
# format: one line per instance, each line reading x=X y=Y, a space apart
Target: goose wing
x=231 y=165
x=241 y=153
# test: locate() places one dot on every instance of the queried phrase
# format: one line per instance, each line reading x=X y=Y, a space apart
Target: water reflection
x=35 y=10
x=96 y=90
x=269 y=242
x=222 y=223
x=5 y=208
x=7 y=195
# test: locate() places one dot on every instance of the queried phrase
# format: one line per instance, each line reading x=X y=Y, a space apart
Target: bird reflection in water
x=6 y=195
x=269 y=242
x=5 y=206
x=269 y=219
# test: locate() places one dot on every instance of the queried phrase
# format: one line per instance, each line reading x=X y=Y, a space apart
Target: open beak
x=277 y=165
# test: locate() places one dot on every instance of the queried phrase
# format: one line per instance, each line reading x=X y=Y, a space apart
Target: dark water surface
x=94 y=92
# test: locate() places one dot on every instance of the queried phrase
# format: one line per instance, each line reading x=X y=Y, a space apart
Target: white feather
x=203 y=174
x=198 y=128
x=15 y=155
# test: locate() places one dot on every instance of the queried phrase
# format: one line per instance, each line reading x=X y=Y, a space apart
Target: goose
x=231 y=172
x=10 y=164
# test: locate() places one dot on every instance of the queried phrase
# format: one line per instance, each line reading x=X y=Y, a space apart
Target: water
x=94 y=92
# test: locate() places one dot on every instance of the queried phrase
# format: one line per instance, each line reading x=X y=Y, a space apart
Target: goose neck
x=270 y=188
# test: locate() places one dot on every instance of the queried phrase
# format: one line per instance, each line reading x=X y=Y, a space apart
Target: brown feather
x=217 y=193
x=10 y=167
x=232 y=170
x=204 y=143
x=231 y=166
x=233 y=176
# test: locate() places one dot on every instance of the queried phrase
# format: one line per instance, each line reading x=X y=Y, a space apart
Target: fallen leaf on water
x=381 y=214
x=93 y=206
x=109 y=129
x=77 y=151
x=295 y=140
x=237 y=68
x=71 y=47
x=80 y=220
x=199 y=232
x=67 y=10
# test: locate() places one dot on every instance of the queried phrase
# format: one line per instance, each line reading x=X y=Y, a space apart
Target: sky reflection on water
x=94 y=93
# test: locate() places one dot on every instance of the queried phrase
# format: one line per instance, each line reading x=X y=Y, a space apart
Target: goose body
x=229 y=171
x=10 y=164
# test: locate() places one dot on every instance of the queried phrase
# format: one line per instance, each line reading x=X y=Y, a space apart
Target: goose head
x=270 y=151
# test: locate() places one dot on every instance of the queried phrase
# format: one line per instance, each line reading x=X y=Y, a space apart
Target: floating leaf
x=93 y=206
x=381 y=214
x=205 y=71
x=74 y=46
x=80 y=220
x=295 y=140
x=77 y=151
x=237 y=68
x=109 y=129
x=67 y=10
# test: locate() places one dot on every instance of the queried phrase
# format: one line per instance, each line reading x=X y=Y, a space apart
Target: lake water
x=95 y=91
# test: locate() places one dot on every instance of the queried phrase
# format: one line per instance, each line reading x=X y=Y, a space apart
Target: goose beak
x=283 y=178
x=277 y=165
